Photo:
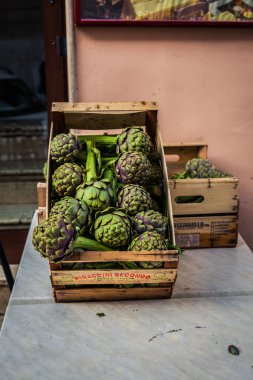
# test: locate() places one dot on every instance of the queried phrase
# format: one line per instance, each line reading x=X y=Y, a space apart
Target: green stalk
x=92 y=163
x=89 y=245
x=99 y=139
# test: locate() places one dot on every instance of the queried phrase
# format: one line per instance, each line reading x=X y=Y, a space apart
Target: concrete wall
x=202 y=79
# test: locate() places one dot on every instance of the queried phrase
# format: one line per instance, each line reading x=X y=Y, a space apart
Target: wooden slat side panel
x=109 y=106
x=220 y=197
x=177 y=155
x=106 y=294
x=105 y=256
x=41 y=192
x=82 y=121
x=112 y=276
x=205 y=232
x=42 y=211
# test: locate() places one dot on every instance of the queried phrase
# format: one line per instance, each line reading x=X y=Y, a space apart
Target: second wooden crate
x=213 y=220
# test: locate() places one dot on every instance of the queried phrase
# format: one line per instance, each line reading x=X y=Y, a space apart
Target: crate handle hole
x=189 y=199
x=172 y=157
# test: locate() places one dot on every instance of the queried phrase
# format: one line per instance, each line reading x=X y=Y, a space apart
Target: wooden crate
x=214 y=221
x=95 y=285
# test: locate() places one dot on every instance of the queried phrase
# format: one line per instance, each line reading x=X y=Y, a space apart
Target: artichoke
x=66 y=178
x=199 y=168
x=203 y=168
x=150 y=221
x=156 y=174
x=65 y=147
x=76 y=211
x=54 y=238
x=148 y=241
x=134 y=198
x=133 y=168
x=112 y=227
x=98 y=195
x=133 y=139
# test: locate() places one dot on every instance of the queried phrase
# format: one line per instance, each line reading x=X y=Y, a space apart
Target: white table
x=186 y=337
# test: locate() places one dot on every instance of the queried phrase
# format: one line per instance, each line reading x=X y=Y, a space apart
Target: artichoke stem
x=91 y=162
x=89 y=245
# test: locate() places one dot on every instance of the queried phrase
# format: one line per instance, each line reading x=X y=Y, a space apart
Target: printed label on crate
x=145 y=276
x=190 y=225
x=188 y=240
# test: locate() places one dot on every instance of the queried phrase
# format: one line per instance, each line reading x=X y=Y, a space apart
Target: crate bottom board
x=107 y=294
x=206 y=232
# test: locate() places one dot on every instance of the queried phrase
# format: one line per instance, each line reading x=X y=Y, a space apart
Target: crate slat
x=206 y=231
x=107 y=294
x=220 y=196
x=112 y=276
x=102 y=256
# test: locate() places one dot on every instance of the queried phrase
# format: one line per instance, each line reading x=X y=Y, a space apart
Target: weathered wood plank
x=102 y=256
x=112 y=276
x=106 y=106
x=107 y=294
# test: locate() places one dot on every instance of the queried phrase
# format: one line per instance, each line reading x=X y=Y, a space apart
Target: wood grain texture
x=107 y=294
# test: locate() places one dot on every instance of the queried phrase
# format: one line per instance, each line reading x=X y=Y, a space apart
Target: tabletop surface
x=186 y=337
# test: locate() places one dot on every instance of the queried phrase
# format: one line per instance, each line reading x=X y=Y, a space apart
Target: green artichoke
x=150 y=221
x=112 y=227
x=133 y=139
x=98 y=195
x=66 y=178
x=133 y=168
x=148 y=241
x=134 y=198
x=54 y=238
x=76 y=211
x=65 y=147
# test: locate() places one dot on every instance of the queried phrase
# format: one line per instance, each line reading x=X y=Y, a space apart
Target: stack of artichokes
x=200 y=168
x=104 y=197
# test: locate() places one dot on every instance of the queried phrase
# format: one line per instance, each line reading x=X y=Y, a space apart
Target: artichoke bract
x=112 y=227
x=133 y=139
x=98 y=195
x=76 y=211
x=133 y=168
x=150 y=221
x=54 y=238
x=66 y=178
x=65 y=147
x=148 y=241
x=134 y=198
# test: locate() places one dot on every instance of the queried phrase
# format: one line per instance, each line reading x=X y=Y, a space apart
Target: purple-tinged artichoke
x=134 y=198
x=54 y=238
x=66 y=178
x=133 y=168
x=133 y=139
x=65 y=147
x=76 y=211
x=150 y=221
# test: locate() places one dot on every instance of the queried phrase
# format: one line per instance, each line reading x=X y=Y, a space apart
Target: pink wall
x=202 y=79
